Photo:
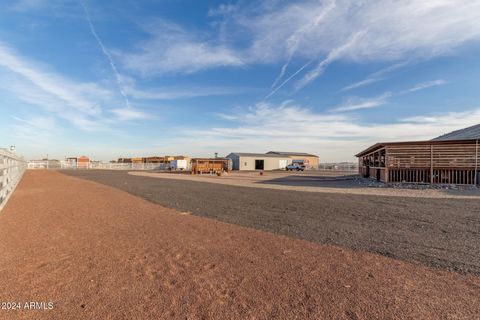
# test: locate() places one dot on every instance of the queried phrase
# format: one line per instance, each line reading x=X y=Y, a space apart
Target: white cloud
x=272 y=32
x=353 y=31
x=32 y=95
x=374 y=77
x=125 y=114
x=37 y=132
x=172 y=49
x=138 y=91
x=353 y=104
x=172 y=93
x=25 y=5
x=83 y=104
x=425 y=85
x=222 y=9
x=57 y=8
x=335 y=137
x=48 y=82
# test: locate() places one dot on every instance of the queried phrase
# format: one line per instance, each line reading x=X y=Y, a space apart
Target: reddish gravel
x=99 y=253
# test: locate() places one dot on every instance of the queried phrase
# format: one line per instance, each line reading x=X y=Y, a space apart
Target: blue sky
x=112 y=79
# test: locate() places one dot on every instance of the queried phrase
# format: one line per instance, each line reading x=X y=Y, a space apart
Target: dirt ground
x=99 y=253
x=440 y=233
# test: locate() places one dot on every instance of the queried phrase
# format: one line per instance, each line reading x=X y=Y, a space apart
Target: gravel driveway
x=442 y=233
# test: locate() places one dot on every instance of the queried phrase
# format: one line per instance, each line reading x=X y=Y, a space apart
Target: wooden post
x=385 y=163
x=431 y=164
x=476 y=162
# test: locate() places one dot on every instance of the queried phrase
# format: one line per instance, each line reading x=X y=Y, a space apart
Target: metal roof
x=380 y=145
x=472 y=132
x=302 y=154
x=259 y=155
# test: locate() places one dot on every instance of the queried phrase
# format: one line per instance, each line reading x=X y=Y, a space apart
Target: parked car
x=295 y=167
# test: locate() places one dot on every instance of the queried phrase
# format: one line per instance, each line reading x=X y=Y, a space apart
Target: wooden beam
x=431 y=164
x=476 y=162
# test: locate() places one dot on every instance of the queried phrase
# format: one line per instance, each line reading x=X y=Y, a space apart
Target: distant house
x=258 y=161
x=81 y=162
x=153 y=159
x=449 y=159
x=308 y=160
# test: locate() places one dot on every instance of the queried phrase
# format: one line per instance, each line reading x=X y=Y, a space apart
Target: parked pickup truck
x=295 y=167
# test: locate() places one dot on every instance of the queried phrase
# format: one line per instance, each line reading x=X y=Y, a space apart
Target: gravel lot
x=313 y=181
x=96 y=252
x=440 y=233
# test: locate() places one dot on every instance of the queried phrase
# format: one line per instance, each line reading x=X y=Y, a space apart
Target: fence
x=127 y=166
x=340 y=166
x=12 y=168
x=56 y=164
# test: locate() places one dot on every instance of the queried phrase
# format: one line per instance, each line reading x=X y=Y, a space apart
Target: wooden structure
x=153 y=159
x=137 y=160
x=435 y=162
x=210 y=165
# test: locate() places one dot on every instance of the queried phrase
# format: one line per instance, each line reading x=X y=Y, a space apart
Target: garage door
x=282 y=164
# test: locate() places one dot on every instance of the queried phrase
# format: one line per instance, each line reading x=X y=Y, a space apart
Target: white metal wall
x=269 y=163
x=12 y=168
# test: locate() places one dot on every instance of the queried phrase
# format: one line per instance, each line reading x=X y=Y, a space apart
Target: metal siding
x=235 y=161
x=269 y=163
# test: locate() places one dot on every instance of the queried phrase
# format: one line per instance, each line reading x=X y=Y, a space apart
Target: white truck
x=295 y=167
x=178 y=165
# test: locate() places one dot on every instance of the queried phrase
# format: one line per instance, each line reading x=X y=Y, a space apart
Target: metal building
x=258 y=161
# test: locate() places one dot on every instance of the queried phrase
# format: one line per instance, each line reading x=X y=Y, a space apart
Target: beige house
x=310 y=161
x=258 y=161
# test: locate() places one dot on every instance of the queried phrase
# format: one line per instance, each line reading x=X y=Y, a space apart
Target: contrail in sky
x=286 y=80
x=294 y=40
x=106 y=53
